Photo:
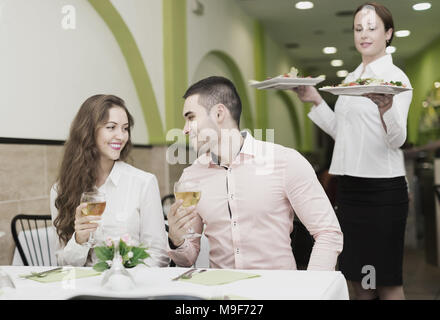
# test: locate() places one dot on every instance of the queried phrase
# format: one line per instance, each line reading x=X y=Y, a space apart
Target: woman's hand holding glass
x=87 y=217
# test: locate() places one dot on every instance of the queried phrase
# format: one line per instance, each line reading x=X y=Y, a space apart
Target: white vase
x=117 y=278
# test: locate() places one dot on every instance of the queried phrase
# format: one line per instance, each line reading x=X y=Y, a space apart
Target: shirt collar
x=378 y=67
x=115 y=174
x=246 y=148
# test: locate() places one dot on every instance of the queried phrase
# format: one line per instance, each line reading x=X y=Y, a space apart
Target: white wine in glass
x=189 y=192
x=95 y=207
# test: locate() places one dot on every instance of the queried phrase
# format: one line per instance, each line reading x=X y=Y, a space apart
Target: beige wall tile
x=54 y=155
x=7 y=211
x=152 y=160
x=35 y=206
x=22 y=171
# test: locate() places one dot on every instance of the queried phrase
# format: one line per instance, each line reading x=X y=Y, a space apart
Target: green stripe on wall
x=422 y=70
x=136 y=66
x=260 y=74
x=175 y=56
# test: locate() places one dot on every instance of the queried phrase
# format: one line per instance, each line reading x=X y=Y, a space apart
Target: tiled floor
x=421 y=280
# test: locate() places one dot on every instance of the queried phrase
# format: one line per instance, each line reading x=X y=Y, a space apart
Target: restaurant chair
x=167 y=201
x=34 y=240
x=302 y=244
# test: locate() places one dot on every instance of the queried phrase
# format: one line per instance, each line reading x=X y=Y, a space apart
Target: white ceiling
x=320 y=27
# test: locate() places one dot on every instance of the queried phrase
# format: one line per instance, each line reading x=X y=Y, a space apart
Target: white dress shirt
x=133 y=207
x=362 y=146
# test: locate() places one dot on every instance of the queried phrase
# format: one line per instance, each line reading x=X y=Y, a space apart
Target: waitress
x=372 y=201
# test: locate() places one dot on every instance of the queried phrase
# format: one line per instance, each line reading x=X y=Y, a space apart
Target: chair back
x=33 y=237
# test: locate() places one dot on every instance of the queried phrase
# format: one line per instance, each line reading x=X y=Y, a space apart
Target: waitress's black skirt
x=372 y=213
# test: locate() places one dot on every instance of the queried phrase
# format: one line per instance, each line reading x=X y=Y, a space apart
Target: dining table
x=148 y=282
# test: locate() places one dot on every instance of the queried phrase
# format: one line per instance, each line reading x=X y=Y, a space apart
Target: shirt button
x=237 y=251
x=235 y=223
x=231 y=196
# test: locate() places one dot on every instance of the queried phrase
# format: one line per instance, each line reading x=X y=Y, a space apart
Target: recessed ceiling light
x=422 y=6
x=342 y=73
x=437 y=85
x=304 y=5
x=402 y=33
x=337 y=63
x=329 y=50
x=391 y=49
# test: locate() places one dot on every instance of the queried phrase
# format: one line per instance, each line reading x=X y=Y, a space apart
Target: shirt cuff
x=320 y=113
x=323 y=260
x=72 y=245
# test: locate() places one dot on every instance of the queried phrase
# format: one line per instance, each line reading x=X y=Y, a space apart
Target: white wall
x=224 y=27
x=46 y=72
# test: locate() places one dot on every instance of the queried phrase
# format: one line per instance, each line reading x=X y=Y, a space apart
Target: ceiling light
x=437 y=85
x=329 y=50
x=303 y=5
x=422 y=6
x=342 y=73
x=391 y=49
x=402 y=33
x=337 y=63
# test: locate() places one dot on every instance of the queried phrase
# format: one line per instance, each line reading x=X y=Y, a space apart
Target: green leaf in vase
x=104 y=253
x=101 y=266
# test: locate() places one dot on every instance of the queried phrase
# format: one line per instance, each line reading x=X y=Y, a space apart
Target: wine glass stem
x=92 y=239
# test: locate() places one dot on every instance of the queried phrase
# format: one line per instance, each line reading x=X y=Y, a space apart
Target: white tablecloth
x=273 y=284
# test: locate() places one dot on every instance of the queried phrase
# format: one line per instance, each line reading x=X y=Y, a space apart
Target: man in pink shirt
x=250 y=191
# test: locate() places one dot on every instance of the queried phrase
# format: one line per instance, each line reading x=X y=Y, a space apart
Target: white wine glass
x=95 y=207
x=190 y=193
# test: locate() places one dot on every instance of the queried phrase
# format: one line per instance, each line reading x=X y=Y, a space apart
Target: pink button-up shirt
x=248 y=209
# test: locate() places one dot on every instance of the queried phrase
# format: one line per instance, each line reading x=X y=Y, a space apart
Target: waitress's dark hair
x=383 y=13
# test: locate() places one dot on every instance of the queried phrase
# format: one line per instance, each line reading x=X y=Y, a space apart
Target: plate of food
x=286 y=81
x=361 y=87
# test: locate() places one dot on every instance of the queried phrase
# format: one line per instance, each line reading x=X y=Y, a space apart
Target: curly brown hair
x=78 y=171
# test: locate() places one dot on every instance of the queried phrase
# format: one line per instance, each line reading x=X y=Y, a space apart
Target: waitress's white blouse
x=362 y=146
x=133 y=207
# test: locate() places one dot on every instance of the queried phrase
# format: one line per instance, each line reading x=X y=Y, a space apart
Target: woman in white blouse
x=372 y=200
x=99 y=141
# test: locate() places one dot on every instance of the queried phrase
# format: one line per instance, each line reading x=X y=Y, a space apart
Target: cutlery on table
x=188 y=274
x=42 y=274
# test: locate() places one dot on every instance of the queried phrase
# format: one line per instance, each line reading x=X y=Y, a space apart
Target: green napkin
x=217 y=277
x=66 y=274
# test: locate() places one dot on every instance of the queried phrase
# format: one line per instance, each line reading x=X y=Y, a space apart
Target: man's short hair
x=215 y=90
